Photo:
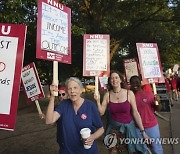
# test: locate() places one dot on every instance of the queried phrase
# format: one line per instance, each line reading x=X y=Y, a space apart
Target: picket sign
x=96 y=57
x=49 y=11
x=32 y=85
x=12 y=43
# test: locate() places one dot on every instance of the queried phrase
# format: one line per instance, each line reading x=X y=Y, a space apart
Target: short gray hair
x=75 y=79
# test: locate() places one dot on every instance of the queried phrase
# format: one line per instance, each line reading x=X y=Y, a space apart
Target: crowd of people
x=172 y=83
x=129 y=111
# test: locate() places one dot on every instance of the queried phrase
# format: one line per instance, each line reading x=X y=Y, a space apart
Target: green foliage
x=126 y=21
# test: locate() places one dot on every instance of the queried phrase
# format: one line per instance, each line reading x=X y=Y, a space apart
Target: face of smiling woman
x=135 y=83
x=115 y=80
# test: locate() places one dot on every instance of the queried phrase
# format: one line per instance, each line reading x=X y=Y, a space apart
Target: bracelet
x=142 y=130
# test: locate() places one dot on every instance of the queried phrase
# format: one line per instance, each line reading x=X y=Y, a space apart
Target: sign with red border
x=31 y=83
x=53 y=31
x=103 y=81
x=12 y=41
x=131 y=68
x=150 y=63
x=96 y=56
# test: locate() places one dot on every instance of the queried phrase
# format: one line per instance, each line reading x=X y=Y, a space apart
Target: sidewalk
x=33 y=136
x=175 y=125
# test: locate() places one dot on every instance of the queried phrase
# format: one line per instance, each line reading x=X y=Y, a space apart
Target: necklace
x=116 y=91
x=117 y=94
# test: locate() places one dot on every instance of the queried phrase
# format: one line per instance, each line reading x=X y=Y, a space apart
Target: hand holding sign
x=53 y=89
x=155 y=92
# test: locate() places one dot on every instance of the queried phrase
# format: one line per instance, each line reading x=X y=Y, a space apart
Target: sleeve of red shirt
x=147 y=87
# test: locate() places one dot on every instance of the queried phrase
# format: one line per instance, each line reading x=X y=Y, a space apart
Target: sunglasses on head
x=63 y=94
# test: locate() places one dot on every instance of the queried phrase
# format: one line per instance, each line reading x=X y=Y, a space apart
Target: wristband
x=142 y=131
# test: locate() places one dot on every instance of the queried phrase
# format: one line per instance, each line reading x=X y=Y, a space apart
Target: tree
x=127 y=22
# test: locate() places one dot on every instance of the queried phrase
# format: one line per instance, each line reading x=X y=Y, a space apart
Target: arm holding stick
x=51 y=115
x=158 y=107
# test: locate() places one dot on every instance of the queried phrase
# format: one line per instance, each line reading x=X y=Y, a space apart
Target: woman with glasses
x=62 y=94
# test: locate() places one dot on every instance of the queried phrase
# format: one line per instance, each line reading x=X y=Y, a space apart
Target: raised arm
x=102 y=106
x=51 y=115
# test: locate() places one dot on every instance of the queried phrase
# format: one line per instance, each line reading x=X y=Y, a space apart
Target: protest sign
x=175 y=68
x=131 y=68
x=103 y=80
x=96 y=61
x=31 y=83
x=53 y=31
x=150 y=64
x=54 y=34
x=96 y=54
x=12 y=41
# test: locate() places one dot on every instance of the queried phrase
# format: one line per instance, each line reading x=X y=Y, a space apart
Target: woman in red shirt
x=168 y=89
x=174 y=88
x=146 y=106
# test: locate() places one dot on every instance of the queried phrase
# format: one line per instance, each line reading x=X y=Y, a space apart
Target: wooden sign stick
x=96 y=85
x=55 y=75
x=38 y=107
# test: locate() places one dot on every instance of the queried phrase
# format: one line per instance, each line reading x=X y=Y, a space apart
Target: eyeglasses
x=63 y=94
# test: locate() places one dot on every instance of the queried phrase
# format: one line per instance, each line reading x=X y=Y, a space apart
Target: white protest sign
x=96 y=54
x=175 y=68
x=53 y=31
x=131 y=68
x=7 y=75
x=31 y=83
x=150 y=63
x=12 y=41
x=103 y=81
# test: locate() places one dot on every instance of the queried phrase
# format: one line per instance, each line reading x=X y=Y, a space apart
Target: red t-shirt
x=173 y=83
x=168 y=85
x=147 y=87
x=145 y=105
